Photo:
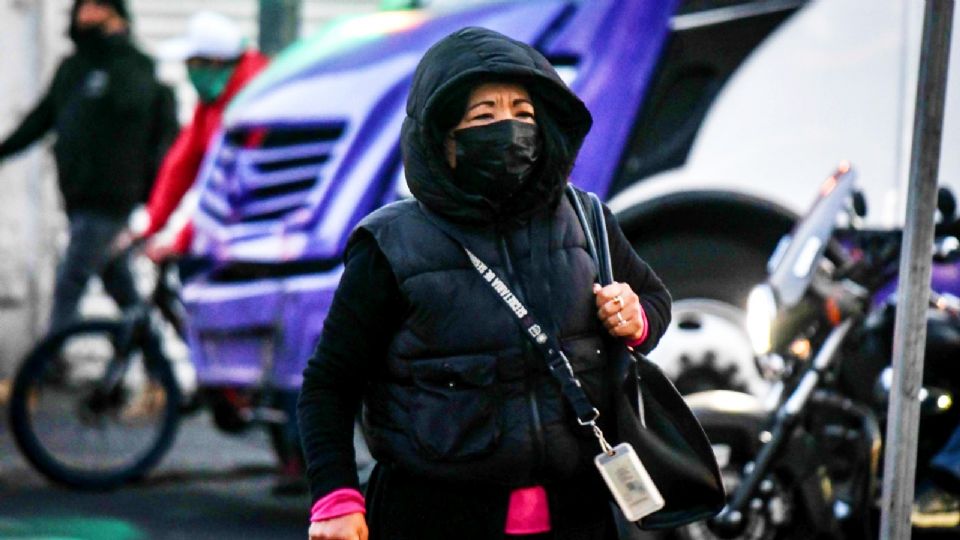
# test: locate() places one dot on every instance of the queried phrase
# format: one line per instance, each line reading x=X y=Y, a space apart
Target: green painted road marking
x=69 y=528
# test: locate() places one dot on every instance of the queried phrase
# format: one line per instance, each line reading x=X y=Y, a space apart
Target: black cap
x=120 y=6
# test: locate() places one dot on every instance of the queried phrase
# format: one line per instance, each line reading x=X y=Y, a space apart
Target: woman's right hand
x=348 y=527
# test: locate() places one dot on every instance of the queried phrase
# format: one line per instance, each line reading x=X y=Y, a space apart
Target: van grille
x=262 y=174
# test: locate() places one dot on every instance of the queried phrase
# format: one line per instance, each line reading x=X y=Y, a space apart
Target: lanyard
x=548 y=345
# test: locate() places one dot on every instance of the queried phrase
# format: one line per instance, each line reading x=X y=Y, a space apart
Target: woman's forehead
x=494 y=89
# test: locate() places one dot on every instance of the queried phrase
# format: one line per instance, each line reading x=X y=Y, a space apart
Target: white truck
x=835 y=82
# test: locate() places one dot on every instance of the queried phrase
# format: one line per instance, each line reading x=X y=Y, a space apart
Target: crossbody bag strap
x=545 y=343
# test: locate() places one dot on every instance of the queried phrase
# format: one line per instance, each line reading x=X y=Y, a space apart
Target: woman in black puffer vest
x=472 y=435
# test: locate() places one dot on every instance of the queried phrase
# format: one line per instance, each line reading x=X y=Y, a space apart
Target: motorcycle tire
x=80 y=431
x=779 y=513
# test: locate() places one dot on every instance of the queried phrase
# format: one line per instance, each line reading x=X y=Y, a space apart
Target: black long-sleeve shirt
x=367 y=310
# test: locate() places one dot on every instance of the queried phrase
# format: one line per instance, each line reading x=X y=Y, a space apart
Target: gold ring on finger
x=619 y=300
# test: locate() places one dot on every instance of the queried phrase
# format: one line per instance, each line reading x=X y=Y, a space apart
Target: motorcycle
x=806 y=460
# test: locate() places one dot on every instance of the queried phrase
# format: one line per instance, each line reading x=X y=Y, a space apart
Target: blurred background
x=715 y=122
x=212 y=485
x=32 y=225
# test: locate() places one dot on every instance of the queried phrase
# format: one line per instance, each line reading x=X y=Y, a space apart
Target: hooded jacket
x=462 y=395
x=454 y=64
x=458 y=407
x=113 y=121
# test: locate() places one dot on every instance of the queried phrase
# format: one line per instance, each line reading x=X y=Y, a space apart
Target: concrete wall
x=29 y=219
x=32 y=226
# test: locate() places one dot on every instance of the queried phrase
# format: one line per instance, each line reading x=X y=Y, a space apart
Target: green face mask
x=210 y=82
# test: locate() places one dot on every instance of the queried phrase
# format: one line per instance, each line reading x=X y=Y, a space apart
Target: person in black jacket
x=472 y=435
x=113 y=122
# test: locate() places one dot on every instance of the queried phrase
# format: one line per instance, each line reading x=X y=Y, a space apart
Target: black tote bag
x=651 y=414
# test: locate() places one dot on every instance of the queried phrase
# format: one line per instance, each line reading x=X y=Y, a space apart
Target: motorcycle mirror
x=946 y=205
x=859 y=204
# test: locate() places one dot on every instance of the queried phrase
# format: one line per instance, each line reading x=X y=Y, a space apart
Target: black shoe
x=935 y=507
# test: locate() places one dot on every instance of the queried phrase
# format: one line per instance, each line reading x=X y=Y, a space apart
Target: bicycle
x=97 y=405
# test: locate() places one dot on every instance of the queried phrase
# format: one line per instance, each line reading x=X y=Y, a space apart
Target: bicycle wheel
x=88 y=416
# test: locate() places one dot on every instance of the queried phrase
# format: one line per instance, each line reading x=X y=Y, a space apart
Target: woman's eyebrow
x=518 y=101
x=479 y=103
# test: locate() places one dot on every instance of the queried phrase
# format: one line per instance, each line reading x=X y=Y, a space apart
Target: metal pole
x=910 y=329
x=279 y=24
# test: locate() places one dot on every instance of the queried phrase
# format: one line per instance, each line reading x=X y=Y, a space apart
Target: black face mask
x=89 y=38
x=496 y=159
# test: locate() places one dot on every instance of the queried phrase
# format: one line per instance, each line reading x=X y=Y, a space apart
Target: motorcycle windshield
x=793 y=263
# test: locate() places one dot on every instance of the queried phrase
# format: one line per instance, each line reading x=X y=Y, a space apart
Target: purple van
x=312 y=146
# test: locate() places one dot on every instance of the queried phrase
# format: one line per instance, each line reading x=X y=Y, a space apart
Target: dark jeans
x=88 y=254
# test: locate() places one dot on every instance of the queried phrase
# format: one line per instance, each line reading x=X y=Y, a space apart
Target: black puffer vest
x=463 y=395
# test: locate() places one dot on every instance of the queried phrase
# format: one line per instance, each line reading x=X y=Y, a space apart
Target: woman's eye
x=525 y=114
x=484 y=116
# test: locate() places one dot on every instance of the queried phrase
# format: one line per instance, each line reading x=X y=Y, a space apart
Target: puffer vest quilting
x=463 y=395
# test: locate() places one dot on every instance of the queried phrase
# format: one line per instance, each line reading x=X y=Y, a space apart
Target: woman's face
x=489 y=103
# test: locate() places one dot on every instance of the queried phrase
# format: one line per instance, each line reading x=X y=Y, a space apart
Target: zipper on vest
x=536 y=425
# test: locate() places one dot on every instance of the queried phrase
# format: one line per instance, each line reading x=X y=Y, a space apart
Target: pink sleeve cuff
x=646 y=330
x=338 y=503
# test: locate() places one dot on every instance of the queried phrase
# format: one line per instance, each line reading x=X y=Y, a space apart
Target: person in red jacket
x=219 y=65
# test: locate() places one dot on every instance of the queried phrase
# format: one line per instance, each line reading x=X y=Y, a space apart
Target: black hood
x=451 y=67
x=120 y=6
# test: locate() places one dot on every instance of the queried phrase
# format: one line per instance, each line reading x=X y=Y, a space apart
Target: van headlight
x=761 y=314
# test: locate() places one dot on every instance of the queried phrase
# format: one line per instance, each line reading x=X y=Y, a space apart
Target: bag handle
x=598 y=243
x=599 y=248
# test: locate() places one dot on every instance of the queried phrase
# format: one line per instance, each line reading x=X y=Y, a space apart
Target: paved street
x=209 y=486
